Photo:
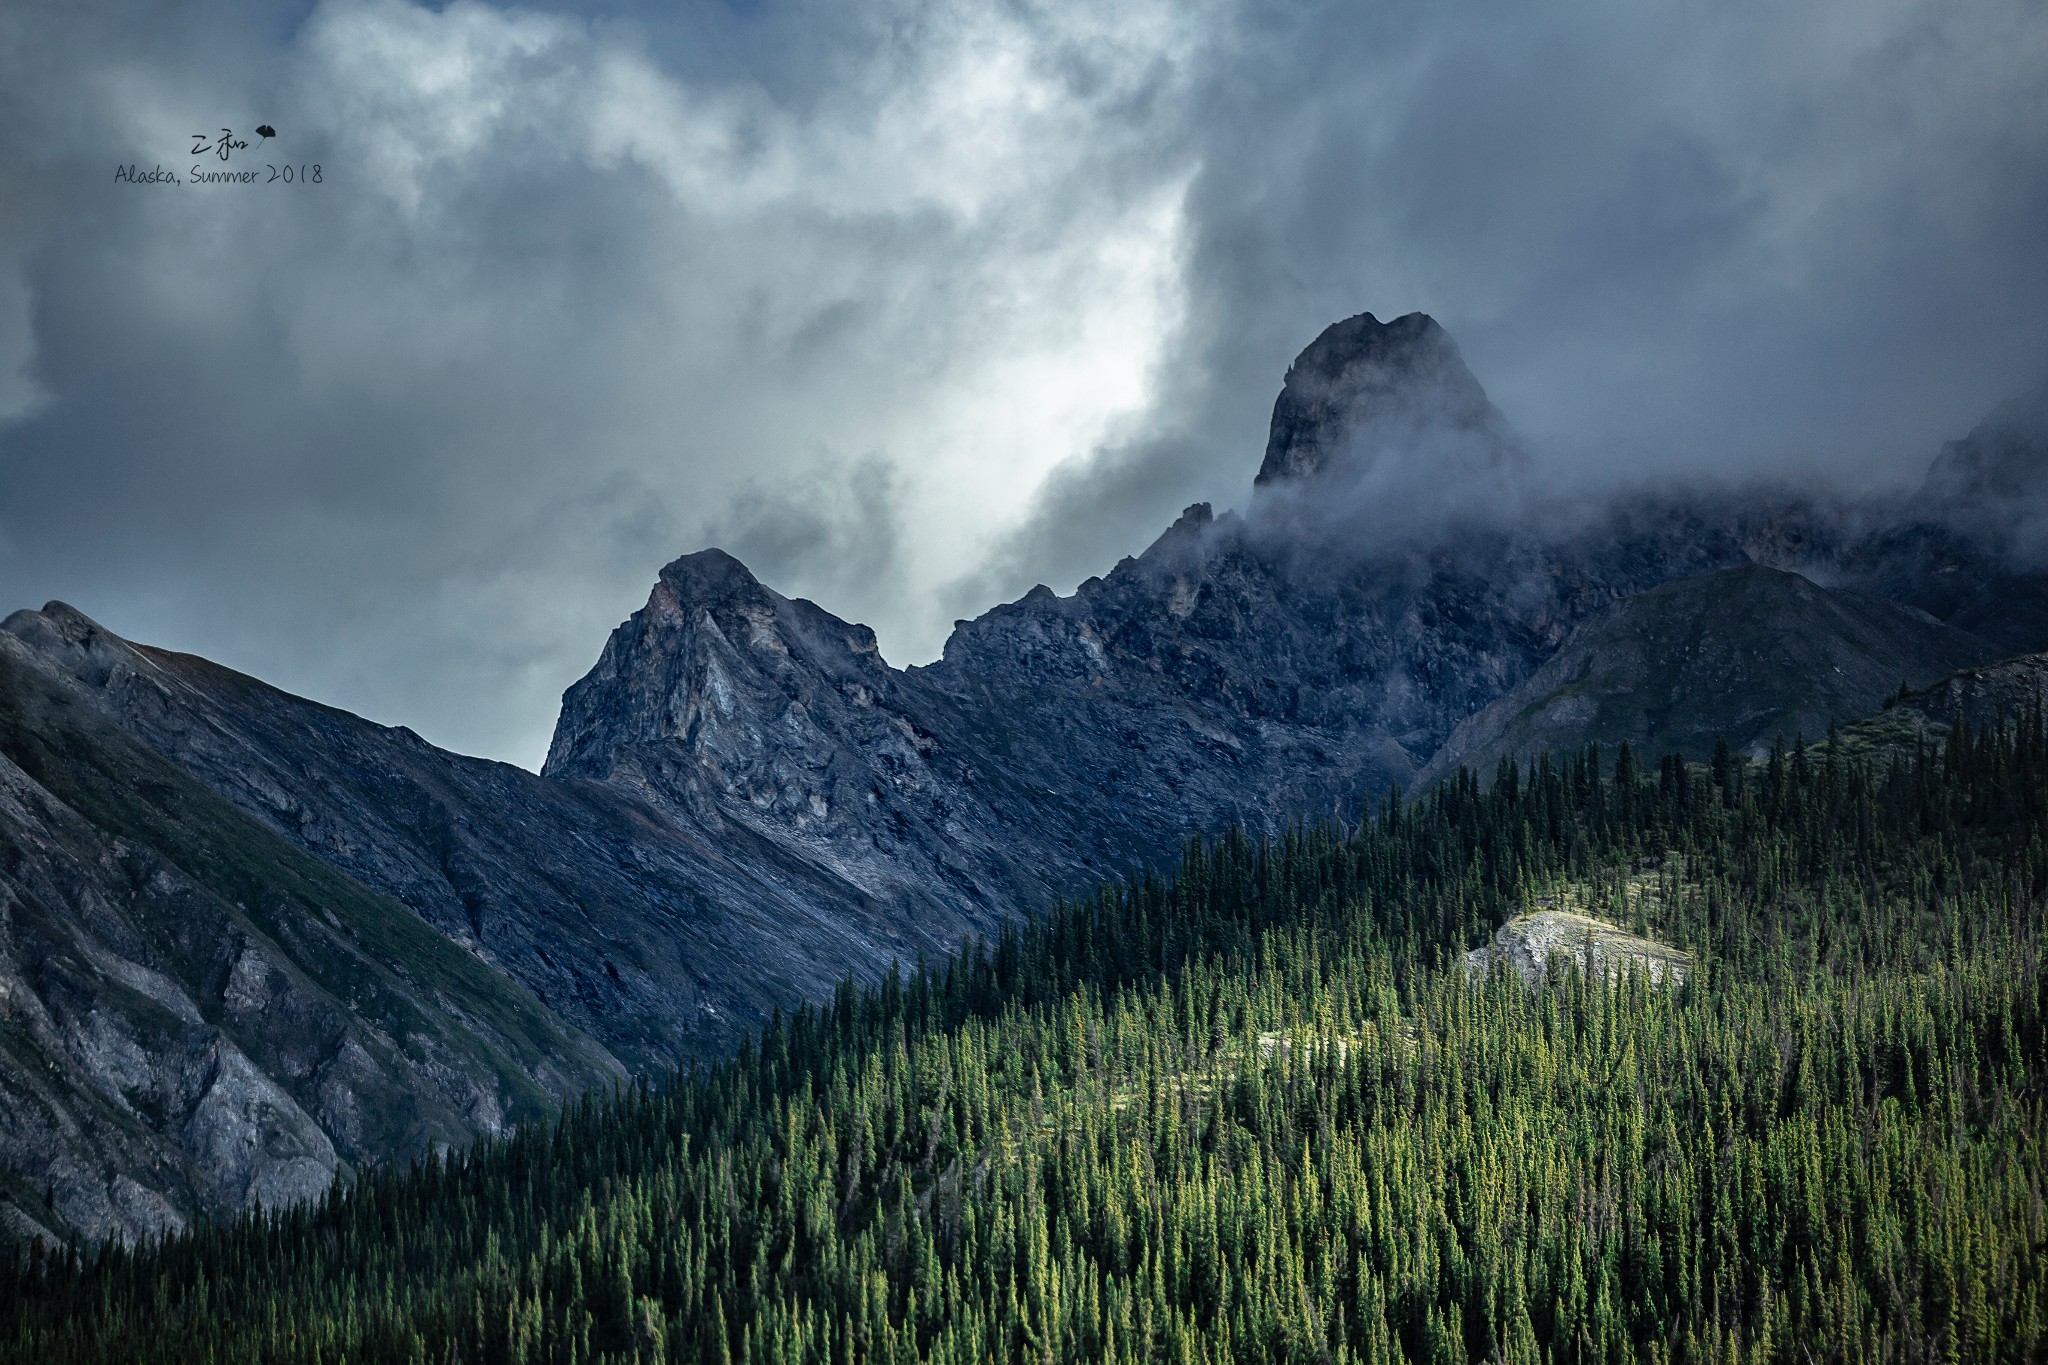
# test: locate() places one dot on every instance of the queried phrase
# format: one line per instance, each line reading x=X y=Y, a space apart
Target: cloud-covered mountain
x=743 y=801
x=580 y=290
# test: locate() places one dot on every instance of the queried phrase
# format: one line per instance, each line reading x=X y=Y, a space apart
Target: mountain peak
x=715 y=658
x=84 y=646
x=2004 y=458
x=711 y=576
x=1364 y=383
x=56 y=622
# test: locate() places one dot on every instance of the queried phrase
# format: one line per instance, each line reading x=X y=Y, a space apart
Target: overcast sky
x=913 y=305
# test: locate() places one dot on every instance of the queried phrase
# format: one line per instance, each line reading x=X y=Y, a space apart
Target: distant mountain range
x=250 y=941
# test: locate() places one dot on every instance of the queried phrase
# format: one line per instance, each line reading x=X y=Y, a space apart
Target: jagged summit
x=1365 y=384
x=677 y=669
x=58 y=626
x=711 y=575
x=1186 y=542
x=744 y=801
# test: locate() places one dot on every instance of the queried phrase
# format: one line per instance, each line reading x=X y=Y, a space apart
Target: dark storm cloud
x=412 y=439
x=1705 y=243
x=913 y=305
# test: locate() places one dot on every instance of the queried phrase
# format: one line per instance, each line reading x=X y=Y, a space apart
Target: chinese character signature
x=227 y=142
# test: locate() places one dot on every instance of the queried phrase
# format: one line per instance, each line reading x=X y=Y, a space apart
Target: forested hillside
x=1258 y=1112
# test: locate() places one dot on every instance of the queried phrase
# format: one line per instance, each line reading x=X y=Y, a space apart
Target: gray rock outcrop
x=1530 y=943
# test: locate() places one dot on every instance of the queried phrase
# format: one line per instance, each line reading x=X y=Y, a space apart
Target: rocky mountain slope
x=1989 y=695
x=1996 y=694
x=743 y=802
x=1393 y=576
x=196 y=1014
x=375 y=946
x=627 y=923
x=1744 y=655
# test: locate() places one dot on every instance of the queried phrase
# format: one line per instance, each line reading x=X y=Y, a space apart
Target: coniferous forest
x=1259 y=1110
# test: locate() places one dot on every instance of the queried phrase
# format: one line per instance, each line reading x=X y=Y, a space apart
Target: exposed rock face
x=1239 y=671
x=109 y=1068
x=1529 y=943
x=1990 y=695
x=740 y=710
x=1996 y=694
x=1365 y=388
x=655 y=935
x=1254 y=670
x=195 y=1014
x=250 y=940
x=407 y=947
x=1746 y=655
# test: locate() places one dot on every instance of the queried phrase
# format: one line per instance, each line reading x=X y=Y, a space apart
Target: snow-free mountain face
x=1365 y=393
x=1287 y=664
x=196 y=1012
x=1742 y=656
x=251 y=940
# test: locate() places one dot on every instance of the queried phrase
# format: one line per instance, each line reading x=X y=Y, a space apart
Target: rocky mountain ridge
x=196 y=1014
x=1743 y=656
x=1993 y=695
x=743 y=802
